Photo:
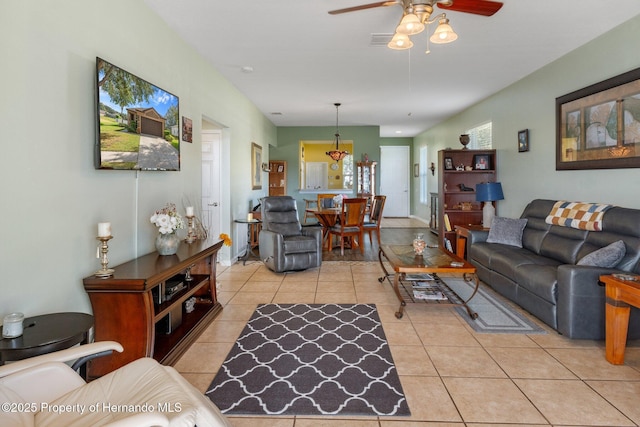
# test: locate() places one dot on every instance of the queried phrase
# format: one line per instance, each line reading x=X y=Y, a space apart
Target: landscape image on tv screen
x=138 y=127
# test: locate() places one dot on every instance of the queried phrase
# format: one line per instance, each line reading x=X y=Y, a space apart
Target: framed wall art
x=598 y=127
x=256 y=166
x=523 y=140
x=187 y=129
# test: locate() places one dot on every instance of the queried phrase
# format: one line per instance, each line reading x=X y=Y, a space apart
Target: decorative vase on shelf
x=464 y=140
x=167 y=244
x=419 y=244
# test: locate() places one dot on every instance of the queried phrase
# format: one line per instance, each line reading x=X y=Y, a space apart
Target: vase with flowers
x=168 y=220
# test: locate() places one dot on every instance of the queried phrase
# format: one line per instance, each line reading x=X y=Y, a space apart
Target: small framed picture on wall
x=187 y=129
x=523 y=140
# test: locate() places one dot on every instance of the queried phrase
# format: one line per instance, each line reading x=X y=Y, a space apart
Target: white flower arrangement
x=167 y=219
x=337 y=200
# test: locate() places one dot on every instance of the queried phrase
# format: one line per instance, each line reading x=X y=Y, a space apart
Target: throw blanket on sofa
x=583 y=216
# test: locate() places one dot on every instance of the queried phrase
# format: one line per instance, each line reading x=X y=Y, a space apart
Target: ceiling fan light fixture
x=410 y=25
x=443 y=33
x=400 y=42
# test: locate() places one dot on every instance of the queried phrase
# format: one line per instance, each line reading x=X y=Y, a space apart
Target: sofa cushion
x=508 y=261
x=507 y=231
x=563 y=244
x=607 y=257
x=540 y=280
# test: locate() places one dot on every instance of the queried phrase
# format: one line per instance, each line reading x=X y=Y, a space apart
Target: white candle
x=189 y=210
x=104 y=229
x=249 y=217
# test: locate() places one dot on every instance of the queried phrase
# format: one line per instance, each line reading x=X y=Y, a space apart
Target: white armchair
x=45 y=391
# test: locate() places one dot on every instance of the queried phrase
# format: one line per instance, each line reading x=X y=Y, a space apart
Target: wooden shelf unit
x=278 y=178
x=450 y=196
x=127 y=306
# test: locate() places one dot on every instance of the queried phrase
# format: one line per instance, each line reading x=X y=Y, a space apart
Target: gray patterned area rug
x=310 y=359
x=495 y=314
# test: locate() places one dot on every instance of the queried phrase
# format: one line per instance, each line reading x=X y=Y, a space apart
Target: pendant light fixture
x=337 y=154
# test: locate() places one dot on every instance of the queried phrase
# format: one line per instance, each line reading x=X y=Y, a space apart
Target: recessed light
x=398 y=131
x=247 y=69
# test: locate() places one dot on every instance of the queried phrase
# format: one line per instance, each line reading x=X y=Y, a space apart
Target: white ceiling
x=304 y=60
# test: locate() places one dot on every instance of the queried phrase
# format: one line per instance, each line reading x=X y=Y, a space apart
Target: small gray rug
x=495 y=314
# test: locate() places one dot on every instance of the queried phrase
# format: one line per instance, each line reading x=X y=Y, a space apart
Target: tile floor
x=451 y=375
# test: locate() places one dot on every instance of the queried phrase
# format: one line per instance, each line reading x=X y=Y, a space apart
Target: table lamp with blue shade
x=488 y=192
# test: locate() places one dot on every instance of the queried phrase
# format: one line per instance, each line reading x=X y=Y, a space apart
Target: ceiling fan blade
x=364 y=6
x=478 y=7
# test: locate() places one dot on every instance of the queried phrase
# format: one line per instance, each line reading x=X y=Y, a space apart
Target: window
x=480 y=137
x=424 y=193
x=334 y=176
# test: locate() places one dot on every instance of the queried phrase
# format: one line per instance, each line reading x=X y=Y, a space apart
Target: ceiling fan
x=416 y=14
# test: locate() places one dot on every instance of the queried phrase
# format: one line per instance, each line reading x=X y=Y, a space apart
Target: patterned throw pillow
x=607 y=257
x=507 y=231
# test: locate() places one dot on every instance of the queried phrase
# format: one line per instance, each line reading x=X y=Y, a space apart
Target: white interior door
x=211 y=149
x=394 y=180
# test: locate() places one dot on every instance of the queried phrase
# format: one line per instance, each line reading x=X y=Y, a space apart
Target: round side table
x=45 y=334
x=253 y=231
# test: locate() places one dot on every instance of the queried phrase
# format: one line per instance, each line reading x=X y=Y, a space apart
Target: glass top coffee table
x=416 y=276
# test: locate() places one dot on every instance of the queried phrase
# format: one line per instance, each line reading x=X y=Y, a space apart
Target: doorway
x=394 y=180
x=211 y=165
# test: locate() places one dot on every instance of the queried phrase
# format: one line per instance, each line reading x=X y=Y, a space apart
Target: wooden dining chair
x=325 y=200
x=350 y=223
x=375 y=218
x=308 y=204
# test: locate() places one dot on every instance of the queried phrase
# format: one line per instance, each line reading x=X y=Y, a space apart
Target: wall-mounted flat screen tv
x=138 y=126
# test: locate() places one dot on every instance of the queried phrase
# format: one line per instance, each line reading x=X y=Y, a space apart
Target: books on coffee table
x=432 y=294
x=419 y=277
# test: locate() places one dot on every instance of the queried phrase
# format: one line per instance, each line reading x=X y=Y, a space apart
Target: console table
x=462 y=234
x=142 y=305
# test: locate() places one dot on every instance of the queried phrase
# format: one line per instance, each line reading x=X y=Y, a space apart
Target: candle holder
x=187 y=275
x=104 y=248
x=191 y=232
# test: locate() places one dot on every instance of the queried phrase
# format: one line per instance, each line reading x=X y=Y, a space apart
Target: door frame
x=224 y=255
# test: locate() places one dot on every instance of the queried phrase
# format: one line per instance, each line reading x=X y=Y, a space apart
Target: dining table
x=327 y=217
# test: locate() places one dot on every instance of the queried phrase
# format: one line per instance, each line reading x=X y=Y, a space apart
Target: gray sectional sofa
x=543 y=276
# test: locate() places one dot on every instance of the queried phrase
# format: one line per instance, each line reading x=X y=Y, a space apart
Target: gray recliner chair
x=284 y=244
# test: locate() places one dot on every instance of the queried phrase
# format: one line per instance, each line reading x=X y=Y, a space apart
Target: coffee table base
x=452 y=298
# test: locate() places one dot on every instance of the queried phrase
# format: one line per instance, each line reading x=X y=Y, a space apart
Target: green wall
x=530 y=104
x=366 y=139
x=52 y=196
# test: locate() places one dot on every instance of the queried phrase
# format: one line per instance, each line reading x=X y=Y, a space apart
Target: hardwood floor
x=393 y=231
